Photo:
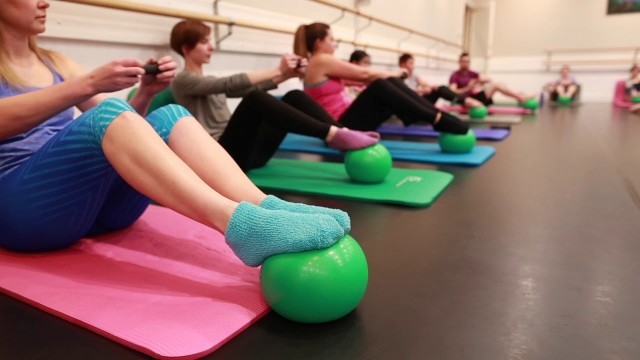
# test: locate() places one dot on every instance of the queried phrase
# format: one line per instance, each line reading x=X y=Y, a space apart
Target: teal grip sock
x=274 y=203
x=255 y=233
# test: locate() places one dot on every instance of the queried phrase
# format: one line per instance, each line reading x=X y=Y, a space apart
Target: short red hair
x=188 y=33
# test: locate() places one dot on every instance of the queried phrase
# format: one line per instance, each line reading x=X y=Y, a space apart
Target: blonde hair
x=10 y=77
x=306 y=36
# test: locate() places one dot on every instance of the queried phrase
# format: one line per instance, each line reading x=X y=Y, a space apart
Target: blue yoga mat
x=400 y=150
x=427 y=131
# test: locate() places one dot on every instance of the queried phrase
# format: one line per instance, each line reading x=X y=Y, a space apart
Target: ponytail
x=300 y=42
x=306 y=36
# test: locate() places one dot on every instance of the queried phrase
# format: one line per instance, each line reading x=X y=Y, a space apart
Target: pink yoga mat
x=620 y=96
x=494 y=110
x=167 y=286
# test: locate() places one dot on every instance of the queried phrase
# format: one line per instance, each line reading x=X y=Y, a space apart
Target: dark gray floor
x=534 y=255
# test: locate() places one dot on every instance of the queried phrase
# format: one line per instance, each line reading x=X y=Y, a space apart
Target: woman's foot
x=255 y=233
x=274 y=203
x=524 y=97
x=446 y=122
x=373 y=134
x=345 y=139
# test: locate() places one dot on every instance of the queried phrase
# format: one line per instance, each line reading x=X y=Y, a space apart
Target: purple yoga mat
x=427 y=131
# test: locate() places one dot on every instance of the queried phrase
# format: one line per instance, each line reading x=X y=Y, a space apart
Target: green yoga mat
x=410 y=187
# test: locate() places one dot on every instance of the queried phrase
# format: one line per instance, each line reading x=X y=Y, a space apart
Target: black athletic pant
x=446 y=93
x=383 y=98
x=260 y=123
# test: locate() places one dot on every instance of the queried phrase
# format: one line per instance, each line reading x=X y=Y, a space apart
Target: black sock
x=451 y=124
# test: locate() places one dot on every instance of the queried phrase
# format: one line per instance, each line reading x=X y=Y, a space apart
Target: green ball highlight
x=564 y=100
x=370 y=165
x=457 y=144
x=479 y=112
x=635 y=99
x=531 y=104
x=164 y=97
x=316 y=286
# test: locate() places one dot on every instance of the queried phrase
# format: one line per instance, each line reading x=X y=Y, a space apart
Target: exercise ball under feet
x=564 y=100
x=478 y=112
x=531 y=104
x=635 y=99
x=316 y=286
x=369 y=165
x=457 y=144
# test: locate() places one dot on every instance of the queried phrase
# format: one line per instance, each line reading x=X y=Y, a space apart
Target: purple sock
x=373 y=134
x=351 y=140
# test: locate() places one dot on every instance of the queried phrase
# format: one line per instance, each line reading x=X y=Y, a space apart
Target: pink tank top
x=331 y=95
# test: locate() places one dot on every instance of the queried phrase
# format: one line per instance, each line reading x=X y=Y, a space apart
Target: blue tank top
x=19 y=148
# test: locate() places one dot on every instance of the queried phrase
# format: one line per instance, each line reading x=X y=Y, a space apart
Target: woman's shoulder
x=322 y=59
x=66 y=66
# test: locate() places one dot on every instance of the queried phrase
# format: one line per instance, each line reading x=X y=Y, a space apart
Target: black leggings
x=446 y=93
x=261 y=122
x=383 y=98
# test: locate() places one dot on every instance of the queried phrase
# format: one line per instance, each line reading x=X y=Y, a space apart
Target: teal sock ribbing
x=274 y=203
x=255 y=233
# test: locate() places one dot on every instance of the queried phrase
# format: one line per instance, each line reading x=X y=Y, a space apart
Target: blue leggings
x=68 y=189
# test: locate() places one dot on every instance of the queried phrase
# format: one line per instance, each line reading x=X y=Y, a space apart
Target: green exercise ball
x=635 y=99
x=316 y=286
x=531 y=104
x=564 y=100
x=164 y=97
x=370 y=165
x=478 y=112
x=457 y=144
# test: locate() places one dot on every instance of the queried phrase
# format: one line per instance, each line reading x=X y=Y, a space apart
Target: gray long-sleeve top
x=206 y=97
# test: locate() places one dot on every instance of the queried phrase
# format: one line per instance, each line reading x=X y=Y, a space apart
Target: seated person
x=385 y=95
x=255 y=130
x=632 y=86
x=566 y=85
x=431 y=93
x=63 y=178
x=360 y=58
x=464 y=81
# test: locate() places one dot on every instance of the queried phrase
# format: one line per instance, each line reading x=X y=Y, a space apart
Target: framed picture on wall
x=623 y=6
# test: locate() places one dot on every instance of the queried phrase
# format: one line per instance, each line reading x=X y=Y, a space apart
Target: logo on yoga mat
x=409 y=179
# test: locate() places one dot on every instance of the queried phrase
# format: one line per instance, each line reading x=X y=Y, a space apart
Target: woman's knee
x=293 y=95
x=259 y=97
x=379 y=84
x=164 y=119
x=105 y=113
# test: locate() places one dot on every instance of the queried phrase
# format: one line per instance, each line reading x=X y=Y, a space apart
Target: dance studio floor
x=534 y=255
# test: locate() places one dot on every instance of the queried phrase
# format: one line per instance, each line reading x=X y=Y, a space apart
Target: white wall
x=522 y=30
x=525 y=29
x=442 y=18
x=479 y=33
x=529 y=27
x=93 y=35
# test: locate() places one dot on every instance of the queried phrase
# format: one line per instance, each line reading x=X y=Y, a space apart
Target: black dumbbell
x=151 y=69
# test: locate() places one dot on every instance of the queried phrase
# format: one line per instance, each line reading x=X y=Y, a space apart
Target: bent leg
x=54 y=198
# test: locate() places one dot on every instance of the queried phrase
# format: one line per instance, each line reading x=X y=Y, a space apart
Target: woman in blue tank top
x=61 y=179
